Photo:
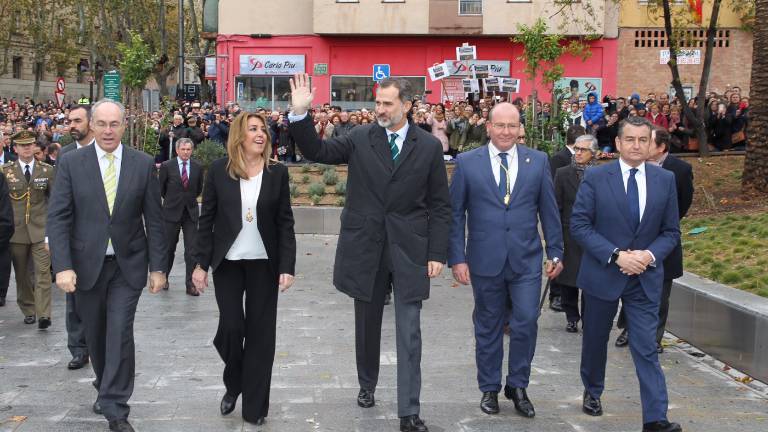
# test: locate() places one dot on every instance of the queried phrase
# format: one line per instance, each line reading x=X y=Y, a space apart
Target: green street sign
x=321 y=69
x=112 y=88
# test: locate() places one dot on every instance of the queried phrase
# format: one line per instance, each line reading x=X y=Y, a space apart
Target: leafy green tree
x=136 y=64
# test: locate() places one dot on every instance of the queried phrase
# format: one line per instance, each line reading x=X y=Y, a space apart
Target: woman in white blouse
x=246 y=236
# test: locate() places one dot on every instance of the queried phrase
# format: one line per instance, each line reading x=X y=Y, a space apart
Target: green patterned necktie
x=393 y=146
x=110 y=181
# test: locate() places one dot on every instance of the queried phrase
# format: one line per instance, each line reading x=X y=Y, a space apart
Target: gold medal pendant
x=506 y=199
x=249 y=216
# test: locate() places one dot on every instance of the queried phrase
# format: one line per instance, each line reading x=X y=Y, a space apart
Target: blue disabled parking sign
x=380 y=72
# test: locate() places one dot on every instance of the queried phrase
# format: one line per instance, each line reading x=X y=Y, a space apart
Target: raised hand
x=301 y=94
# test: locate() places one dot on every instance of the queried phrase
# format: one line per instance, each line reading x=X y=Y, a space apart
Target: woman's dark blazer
x=221 y=218
x=566 y=186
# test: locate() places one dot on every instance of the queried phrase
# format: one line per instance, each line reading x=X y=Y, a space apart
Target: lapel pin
x=527 y=160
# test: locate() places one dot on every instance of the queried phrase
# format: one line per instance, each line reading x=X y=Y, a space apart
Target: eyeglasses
x=581 y=149
x=502 y=126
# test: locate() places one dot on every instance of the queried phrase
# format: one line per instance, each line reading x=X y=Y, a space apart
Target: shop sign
x=497 y=68
x=684 y=57
x=271 y=64
x=320 y=69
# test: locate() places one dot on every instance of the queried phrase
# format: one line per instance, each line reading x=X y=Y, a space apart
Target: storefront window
x=356 y=92
x=273 y=93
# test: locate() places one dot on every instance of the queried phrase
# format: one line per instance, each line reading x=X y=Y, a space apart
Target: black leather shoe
x=662 y=426
x=120 y=426
x=591 y=405
x=556 y=304
x=519 y=396
x=2 y=301
x=29 y=319
x=228 y=403
x=365 y=398
x=623 y=339
x=78 y=362
x=490 y=402
x=97 y=408
x=412 y=424
x=165 y=287
x=659 y=348
x=43 y=323
x=572 y=327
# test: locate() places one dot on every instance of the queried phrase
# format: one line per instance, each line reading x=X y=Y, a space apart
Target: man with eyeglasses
x=502 y=257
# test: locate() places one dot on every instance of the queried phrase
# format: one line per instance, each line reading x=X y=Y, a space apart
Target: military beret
x=23 y=137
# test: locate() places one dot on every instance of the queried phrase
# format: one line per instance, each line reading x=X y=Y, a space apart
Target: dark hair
x=573 y=84
x=634 y=121
x=87 y=109
x=574 y=131
x=662 y=138
x=403 y=86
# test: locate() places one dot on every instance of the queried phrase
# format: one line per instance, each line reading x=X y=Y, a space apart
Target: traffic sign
x=112 y=88
x=60 y=85
x=380 y=72
x=59 y=99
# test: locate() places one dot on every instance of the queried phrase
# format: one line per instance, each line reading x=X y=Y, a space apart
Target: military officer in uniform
x=29 y=184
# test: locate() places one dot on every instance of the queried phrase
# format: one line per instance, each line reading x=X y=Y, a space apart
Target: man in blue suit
x=502 y=189
x=625 y=218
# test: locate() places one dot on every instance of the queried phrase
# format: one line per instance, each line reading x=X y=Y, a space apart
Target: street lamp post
x=180 y=93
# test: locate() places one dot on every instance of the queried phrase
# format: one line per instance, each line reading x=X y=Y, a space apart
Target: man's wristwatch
x=614 y=256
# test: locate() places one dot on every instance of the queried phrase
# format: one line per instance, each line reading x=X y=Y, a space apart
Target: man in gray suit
x=79 y=128
x=105 y=226
x=394 y=230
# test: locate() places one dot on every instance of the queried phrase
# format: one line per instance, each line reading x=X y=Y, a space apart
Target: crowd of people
x=401 y=223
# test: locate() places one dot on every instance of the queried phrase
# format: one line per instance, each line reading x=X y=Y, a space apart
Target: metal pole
x=180 y=93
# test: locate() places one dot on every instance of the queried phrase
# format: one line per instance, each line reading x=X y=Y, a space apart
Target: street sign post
x=59 y=92
x=112 y=88
x=380 y=72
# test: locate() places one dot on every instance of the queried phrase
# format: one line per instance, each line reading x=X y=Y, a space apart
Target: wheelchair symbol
x=380 y=72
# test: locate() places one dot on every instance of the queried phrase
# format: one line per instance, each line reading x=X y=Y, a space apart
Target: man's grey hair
x=106 y=101
x=593 y=145
x=404 y=87
x=185 y=140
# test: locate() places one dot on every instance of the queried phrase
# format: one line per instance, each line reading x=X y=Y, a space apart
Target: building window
x=273 y=93
x=688 y=38
x=353 y=92
x=17 y=67
x=470 y=7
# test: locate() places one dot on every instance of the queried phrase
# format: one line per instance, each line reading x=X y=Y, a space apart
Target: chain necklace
x=506 y=174
x=250 y=200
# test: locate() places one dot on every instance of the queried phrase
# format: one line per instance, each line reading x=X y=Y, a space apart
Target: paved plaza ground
x=314 y=386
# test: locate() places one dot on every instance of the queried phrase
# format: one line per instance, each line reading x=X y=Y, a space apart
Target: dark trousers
x=75 y=328
x=108 y=310
x=245 y=339
x=555 y=290
x=569 y=296
x=666 y=290
x=642 y=320
x=368 y=316
x=491 y=313
x=5 y=269
x=172 y=229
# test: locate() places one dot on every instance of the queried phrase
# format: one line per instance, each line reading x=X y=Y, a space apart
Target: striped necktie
x=393 y=146
x=110 y=181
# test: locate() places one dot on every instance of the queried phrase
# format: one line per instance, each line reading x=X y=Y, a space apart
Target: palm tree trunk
x=755 y=176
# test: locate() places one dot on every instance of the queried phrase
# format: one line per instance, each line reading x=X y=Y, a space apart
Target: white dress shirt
x=640 y=178
x=248 y=245
x=511 y=163
x=401 y=133
x=189 y=166
x=101 y=156
x=23 y=166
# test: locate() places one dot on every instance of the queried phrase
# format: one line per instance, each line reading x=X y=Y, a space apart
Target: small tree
x=136 y=65
x=542 y=50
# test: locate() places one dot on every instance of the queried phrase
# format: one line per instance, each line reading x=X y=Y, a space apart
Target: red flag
x=696 y=9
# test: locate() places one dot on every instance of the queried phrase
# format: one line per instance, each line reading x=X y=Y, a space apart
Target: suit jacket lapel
x=616 y=183
x=408 y=144
x=487 y=168
x=523 y=165
x=19 y=172
x=126 y=177
x=94 y=172
x=378 y=139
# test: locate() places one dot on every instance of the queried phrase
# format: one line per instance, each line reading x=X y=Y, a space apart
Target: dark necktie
x=27 y=174
x=633 y=198
x=393 y=146
x=184 y=175
x=503 y=175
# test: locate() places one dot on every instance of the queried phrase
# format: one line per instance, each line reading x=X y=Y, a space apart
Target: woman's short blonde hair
x=236 y=164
